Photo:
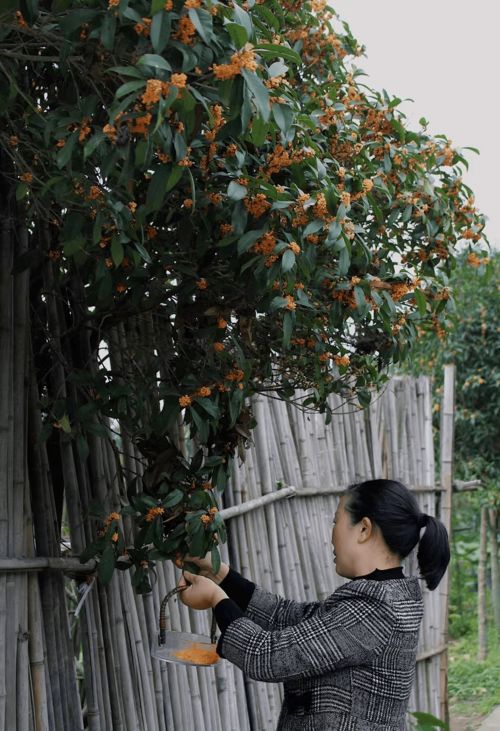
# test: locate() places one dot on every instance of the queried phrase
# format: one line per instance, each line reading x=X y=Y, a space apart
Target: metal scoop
x=177 y=647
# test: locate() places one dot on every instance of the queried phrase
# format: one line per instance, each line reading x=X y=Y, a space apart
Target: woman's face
x=344 y=541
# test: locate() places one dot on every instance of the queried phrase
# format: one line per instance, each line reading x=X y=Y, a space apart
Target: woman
x=347 y=663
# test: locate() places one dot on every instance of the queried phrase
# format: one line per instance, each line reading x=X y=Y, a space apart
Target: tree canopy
x=216 y=203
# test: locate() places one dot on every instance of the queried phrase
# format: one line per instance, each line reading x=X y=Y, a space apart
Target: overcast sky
x=443 y=54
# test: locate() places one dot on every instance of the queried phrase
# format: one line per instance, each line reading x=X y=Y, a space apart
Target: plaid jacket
x=347 y=663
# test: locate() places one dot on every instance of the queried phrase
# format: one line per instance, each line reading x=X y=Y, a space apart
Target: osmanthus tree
x=220 y=203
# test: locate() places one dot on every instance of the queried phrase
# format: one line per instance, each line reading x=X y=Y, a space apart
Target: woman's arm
x=351 y=629
x=266 y=609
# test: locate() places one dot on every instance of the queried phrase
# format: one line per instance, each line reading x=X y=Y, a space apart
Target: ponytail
x=433 y=553
x=395 y=510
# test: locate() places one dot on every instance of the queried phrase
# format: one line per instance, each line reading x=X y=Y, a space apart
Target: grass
x=474 y=687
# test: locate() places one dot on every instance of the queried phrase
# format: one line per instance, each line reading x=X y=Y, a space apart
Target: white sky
x=443 y=54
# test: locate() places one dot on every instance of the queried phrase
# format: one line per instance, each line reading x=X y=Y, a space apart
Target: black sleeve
x=226 y=611
x=238 y=588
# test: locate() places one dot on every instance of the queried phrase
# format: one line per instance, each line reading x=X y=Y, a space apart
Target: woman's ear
x=366 y=530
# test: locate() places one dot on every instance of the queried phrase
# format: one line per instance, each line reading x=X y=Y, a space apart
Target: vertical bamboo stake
x=493 y=514
x=482 y=625
x=5 y=467
x=446 y=481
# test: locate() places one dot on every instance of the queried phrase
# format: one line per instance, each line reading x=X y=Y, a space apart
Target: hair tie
x=422 y=520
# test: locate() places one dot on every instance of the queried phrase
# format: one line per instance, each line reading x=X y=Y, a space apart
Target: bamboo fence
x=65 y=668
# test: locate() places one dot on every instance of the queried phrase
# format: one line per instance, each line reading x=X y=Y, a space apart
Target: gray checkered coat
x=347 y=663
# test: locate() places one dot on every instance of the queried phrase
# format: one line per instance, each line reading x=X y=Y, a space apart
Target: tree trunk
x=482 y=646
x=495 y=567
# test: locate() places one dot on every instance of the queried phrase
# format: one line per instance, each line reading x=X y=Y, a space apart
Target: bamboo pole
x=446 y=481
x=5 y=464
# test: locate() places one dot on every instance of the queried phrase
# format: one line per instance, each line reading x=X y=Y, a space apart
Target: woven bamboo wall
x=283 y=545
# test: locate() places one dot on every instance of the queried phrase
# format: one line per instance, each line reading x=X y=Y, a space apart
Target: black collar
x=396 y=572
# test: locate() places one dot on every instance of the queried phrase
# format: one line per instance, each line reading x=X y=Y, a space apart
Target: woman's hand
x=202 y=594
x=205 y=565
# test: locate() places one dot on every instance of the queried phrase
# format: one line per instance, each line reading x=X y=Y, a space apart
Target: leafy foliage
x=222 y=173
x=472 y=342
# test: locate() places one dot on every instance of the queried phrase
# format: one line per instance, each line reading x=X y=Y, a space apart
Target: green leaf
x=288 y=322
x=259 y=131
x=287 y=261
x=277 y=303
x=209 y=406
x=117 y=252
x=202 y=21
x=426 y=721
x=92 y=144
x=238 y=33
x=64 y=154
x=126 y=71
x=244 y=19
x=22 y=190
x=128 y=87
x=283 y=116
x=173 y=498
x=157 y=188
x=155 y=61
x=143 y=252
x=160 y=30
x=174 y=177
x=215 y=559
x=420 y=300
x=156 y=6
x=271 y=50
x=108 y=29
x=73 y=246
x=106 y=564
x=248 y=238
x=235 y=191
x=364 y=397
x=200 y=423
x=259 y=91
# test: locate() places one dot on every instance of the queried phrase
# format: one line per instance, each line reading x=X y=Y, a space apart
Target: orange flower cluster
x=475 y=261
x=342 y=360
x=85 y=129
x=226 y=228
x=320 y=209
x=264 y=245
x=201 y=283
x=152 y=513
x=185 y=31
x=144 y=28
x=184 y=401
x=257 y=205
x=242 y=59
x=109 y=519
x=399 y=289
x=110 y=132
x=219 y=347
x=276 y=160
x=141 y=124
x=206 y=519
x=235 y=375
x=294 y=247
x=26 y=177
x=20 y=20
x=203 y=392
x=300 y=215
x=291 y=304
x=154 y=90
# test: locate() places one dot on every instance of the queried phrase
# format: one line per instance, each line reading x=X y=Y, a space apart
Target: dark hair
x=394 y=508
